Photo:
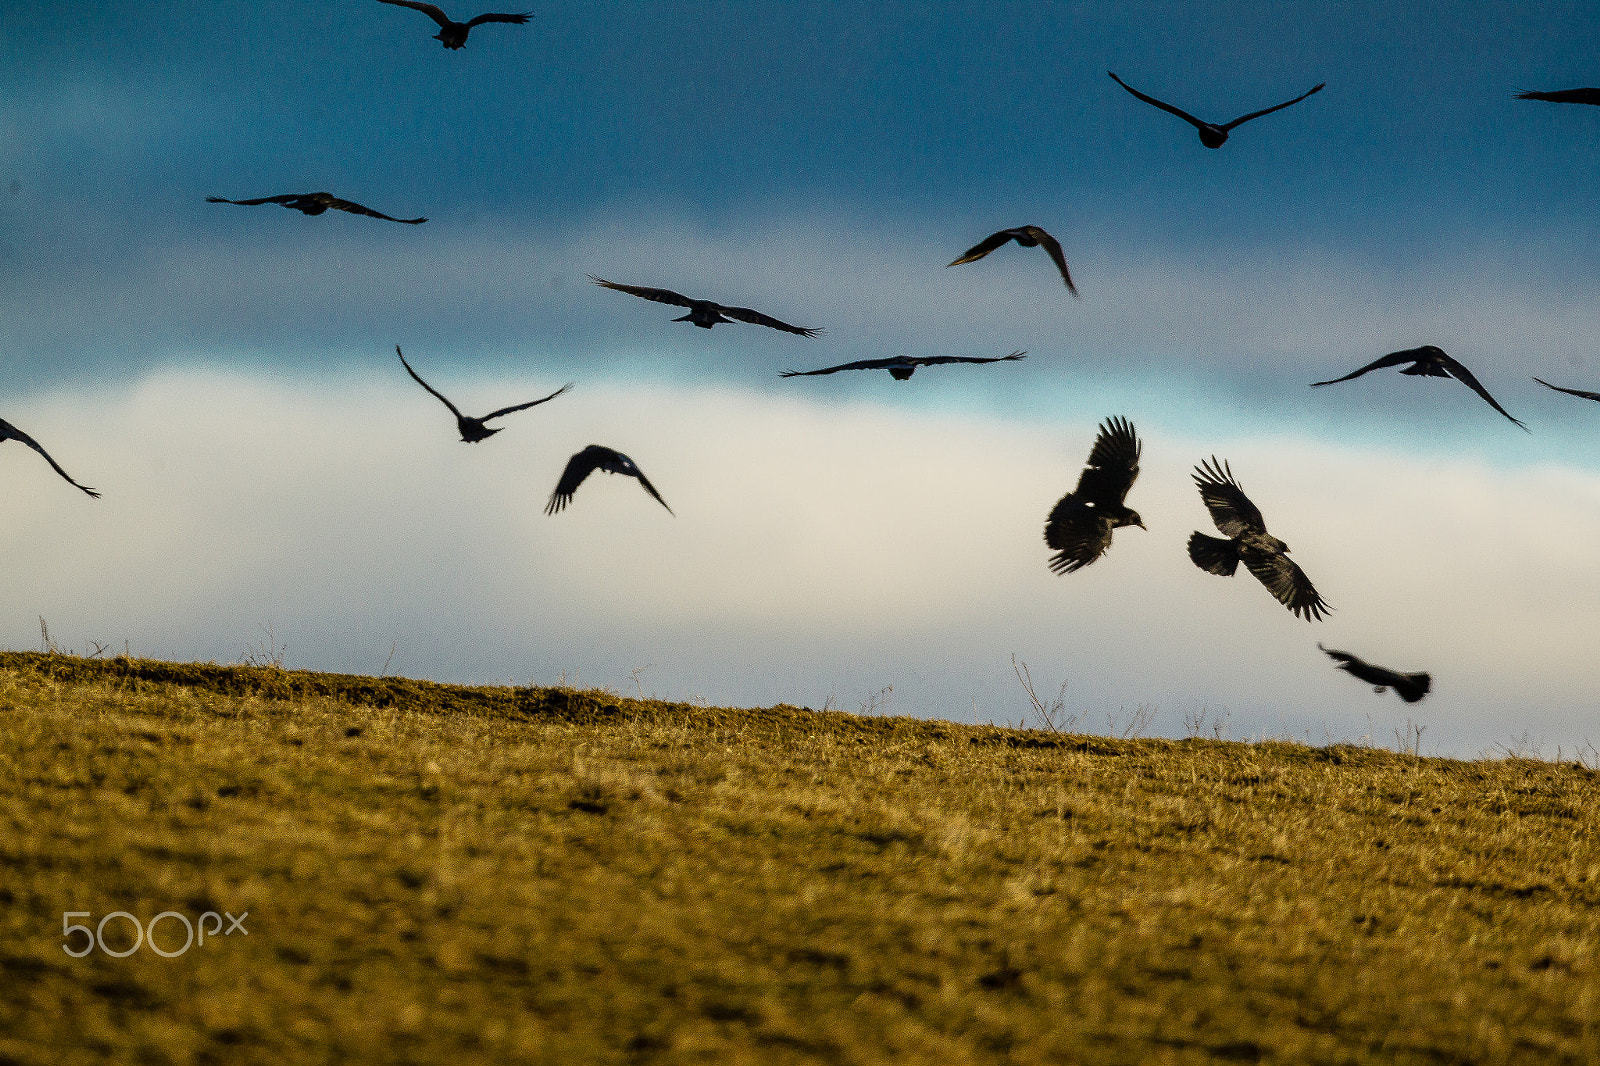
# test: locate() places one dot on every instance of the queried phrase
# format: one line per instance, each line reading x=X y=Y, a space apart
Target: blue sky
x=821 y=162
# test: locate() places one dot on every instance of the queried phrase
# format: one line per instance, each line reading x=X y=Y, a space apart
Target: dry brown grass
x=436 y=874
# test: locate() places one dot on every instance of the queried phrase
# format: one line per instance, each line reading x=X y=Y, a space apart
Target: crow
x=1080 y=525
x=901 y=367
x=1261 y=552
x=596 y=457
x=1563 y=96
x=1427 y=361
x=1569 y=392
x=473 y=429
x=1409 y=687
x=454 y=34
x=10 y=432
x=704 y=313
x=1027 y=237
x=315 y=203
x=1212 y=135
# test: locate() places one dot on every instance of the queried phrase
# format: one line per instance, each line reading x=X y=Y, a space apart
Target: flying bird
x=1249 y=541
x=473 y=429
x=1080 y=525
x=1027 y=237
x=454 y=34
x=901 y=367
x=1212 y=135
x=1569 y=392
x=1564 y=96
x=315 y=203
x=1427 y=361
x=1409 y=687
x=10 y=432
x=596 y=457
x=704 y=313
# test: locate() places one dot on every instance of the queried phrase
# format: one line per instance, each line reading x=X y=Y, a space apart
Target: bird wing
x=579 y=467
x=1392 y=359
x=425 y=385
x=1113 y=464
x=356 y=209
x=651 y=489
x=8 y=431
x=1079 y=535
x=1569 y=392
x=517 y=19
x=285 y=198
x=1153 y=102
x=1339 y=656
x=984 y=247
x=525 y=406
x=1286 y=581
x=1564 y=96
x=1317 y=88
x=745 y=314
x=660 y=296
x=933 y=360
x=1230 y=508
x=1463 y=375
x=1053 y=247
x=430 y=10
x=859 y=364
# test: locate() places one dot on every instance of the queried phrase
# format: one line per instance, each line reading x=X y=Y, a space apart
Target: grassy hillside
x=445 y=874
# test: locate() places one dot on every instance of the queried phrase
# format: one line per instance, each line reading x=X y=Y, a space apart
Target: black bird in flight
x=473 y=429
x=704 y=313
x=1564 y=96
x=596 y=457
x=1249 y=541
x=1080 y=525
x=454 y=34
x=1212 y=135
x=1430 y=362
x=1569 y=392
x=1409 y=687
x=10 y=432
x=315 y=203
x=901 y=367
x=1027 y=237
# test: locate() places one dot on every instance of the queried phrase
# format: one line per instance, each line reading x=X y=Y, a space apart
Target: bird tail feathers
x=1213 y=555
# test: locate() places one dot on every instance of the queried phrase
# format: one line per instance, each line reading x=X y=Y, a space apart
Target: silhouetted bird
x=1427 y=361
x=1079 y=527
x=596 y=457
x=315 y=203
x=1211 y=134
x=473 y=429
x=704 y=313
x=1409 y=687
x=1027 y=237
x=901 y=367
x=10 y=432
x=454 y=34
x=1261 y=552
x=1564 y=96
x=1569 y=392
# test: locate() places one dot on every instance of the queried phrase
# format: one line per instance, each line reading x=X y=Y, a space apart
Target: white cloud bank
x=820 y=549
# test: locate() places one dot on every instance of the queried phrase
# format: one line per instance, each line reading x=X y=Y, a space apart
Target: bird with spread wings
x=10 y=432
x=1213 y=135
x=453 y=35
x=901 y=367
x=1426 y=361
x=473 y=429
x=315 y=203
x=1409 y=687
x=1080 y=525
x=597 y=457
x=704 y=313
x=1026 y=237
x=1248 y=541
